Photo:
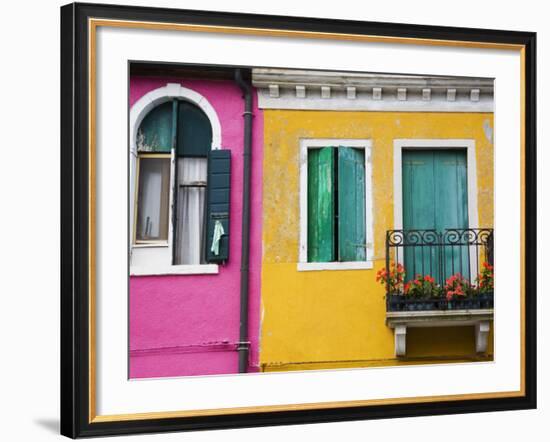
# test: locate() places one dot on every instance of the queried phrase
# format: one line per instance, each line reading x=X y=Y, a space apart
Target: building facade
x=423 y=159
x=185 y=307
x=350 y=175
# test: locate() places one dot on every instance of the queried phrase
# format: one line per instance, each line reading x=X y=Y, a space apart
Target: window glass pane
x=153 y=194
x=190 y=211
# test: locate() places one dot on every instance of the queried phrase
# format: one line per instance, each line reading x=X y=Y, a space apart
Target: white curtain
x=190 y=210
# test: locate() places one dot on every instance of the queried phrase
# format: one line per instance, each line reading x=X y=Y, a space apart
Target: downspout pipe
x=243 y=346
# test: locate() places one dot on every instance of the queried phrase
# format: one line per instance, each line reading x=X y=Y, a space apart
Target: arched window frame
x=156 y=258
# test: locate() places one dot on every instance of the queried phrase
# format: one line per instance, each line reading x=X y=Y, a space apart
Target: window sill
x=198 y=269
x=349 y=265
x=149 y=245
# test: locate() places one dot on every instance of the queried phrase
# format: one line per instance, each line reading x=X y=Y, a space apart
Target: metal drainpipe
x=244 y=344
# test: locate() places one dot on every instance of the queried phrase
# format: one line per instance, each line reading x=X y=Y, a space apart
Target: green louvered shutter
x=451 y=201
x=320 y=241
x=419 y=210
x=217 y=202
x=351 y=204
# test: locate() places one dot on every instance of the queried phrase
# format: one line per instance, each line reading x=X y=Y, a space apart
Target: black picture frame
x=75 y=247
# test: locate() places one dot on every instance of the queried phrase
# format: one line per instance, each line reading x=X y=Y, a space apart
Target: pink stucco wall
x=189 y=324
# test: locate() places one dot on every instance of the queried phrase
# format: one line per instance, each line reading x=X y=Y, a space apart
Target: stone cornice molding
x=327 y=90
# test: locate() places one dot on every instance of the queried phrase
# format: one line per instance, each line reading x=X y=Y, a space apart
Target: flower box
x=399 y=302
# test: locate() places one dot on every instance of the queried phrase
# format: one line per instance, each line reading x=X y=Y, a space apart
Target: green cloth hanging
x=218 y=233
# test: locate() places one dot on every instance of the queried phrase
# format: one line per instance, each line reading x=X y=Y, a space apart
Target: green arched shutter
x=155 y=131
x=194 y=134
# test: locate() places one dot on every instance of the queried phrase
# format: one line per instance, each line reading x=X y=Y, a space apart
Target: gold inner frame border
x=93 y=24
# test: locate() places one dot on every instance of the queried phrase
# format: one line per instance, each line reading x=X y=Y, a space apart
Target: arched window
x=180 y=131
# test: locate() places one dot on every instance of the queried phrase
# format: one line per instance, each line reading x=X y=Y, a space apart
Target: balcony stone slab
x=401 y=321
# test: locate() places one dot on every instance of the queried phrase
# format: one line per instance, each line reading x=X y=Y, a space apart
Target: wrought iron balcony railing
x=459 y=255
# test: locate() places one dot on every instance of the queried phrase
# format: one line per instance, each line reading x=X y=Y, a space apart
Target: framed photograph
x=274 y=220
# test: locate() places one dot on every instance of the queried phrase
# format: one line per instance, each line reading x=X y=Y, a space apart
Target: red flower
x=487 y=266
x=392 y=277
x=382 y=273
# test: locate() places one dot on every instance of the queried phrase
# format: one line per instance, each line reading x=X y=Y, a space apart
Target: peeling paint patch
x=488 y=131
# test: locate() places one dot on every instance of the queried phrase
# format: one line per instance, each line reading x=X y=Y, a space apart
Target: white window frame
x=156 y=258
x=160 y=242
x=305 y=145
x=400 y=144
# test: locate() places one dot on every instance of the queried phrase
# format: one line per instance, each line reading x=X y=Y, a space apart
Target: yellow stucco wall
x=328 y=319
